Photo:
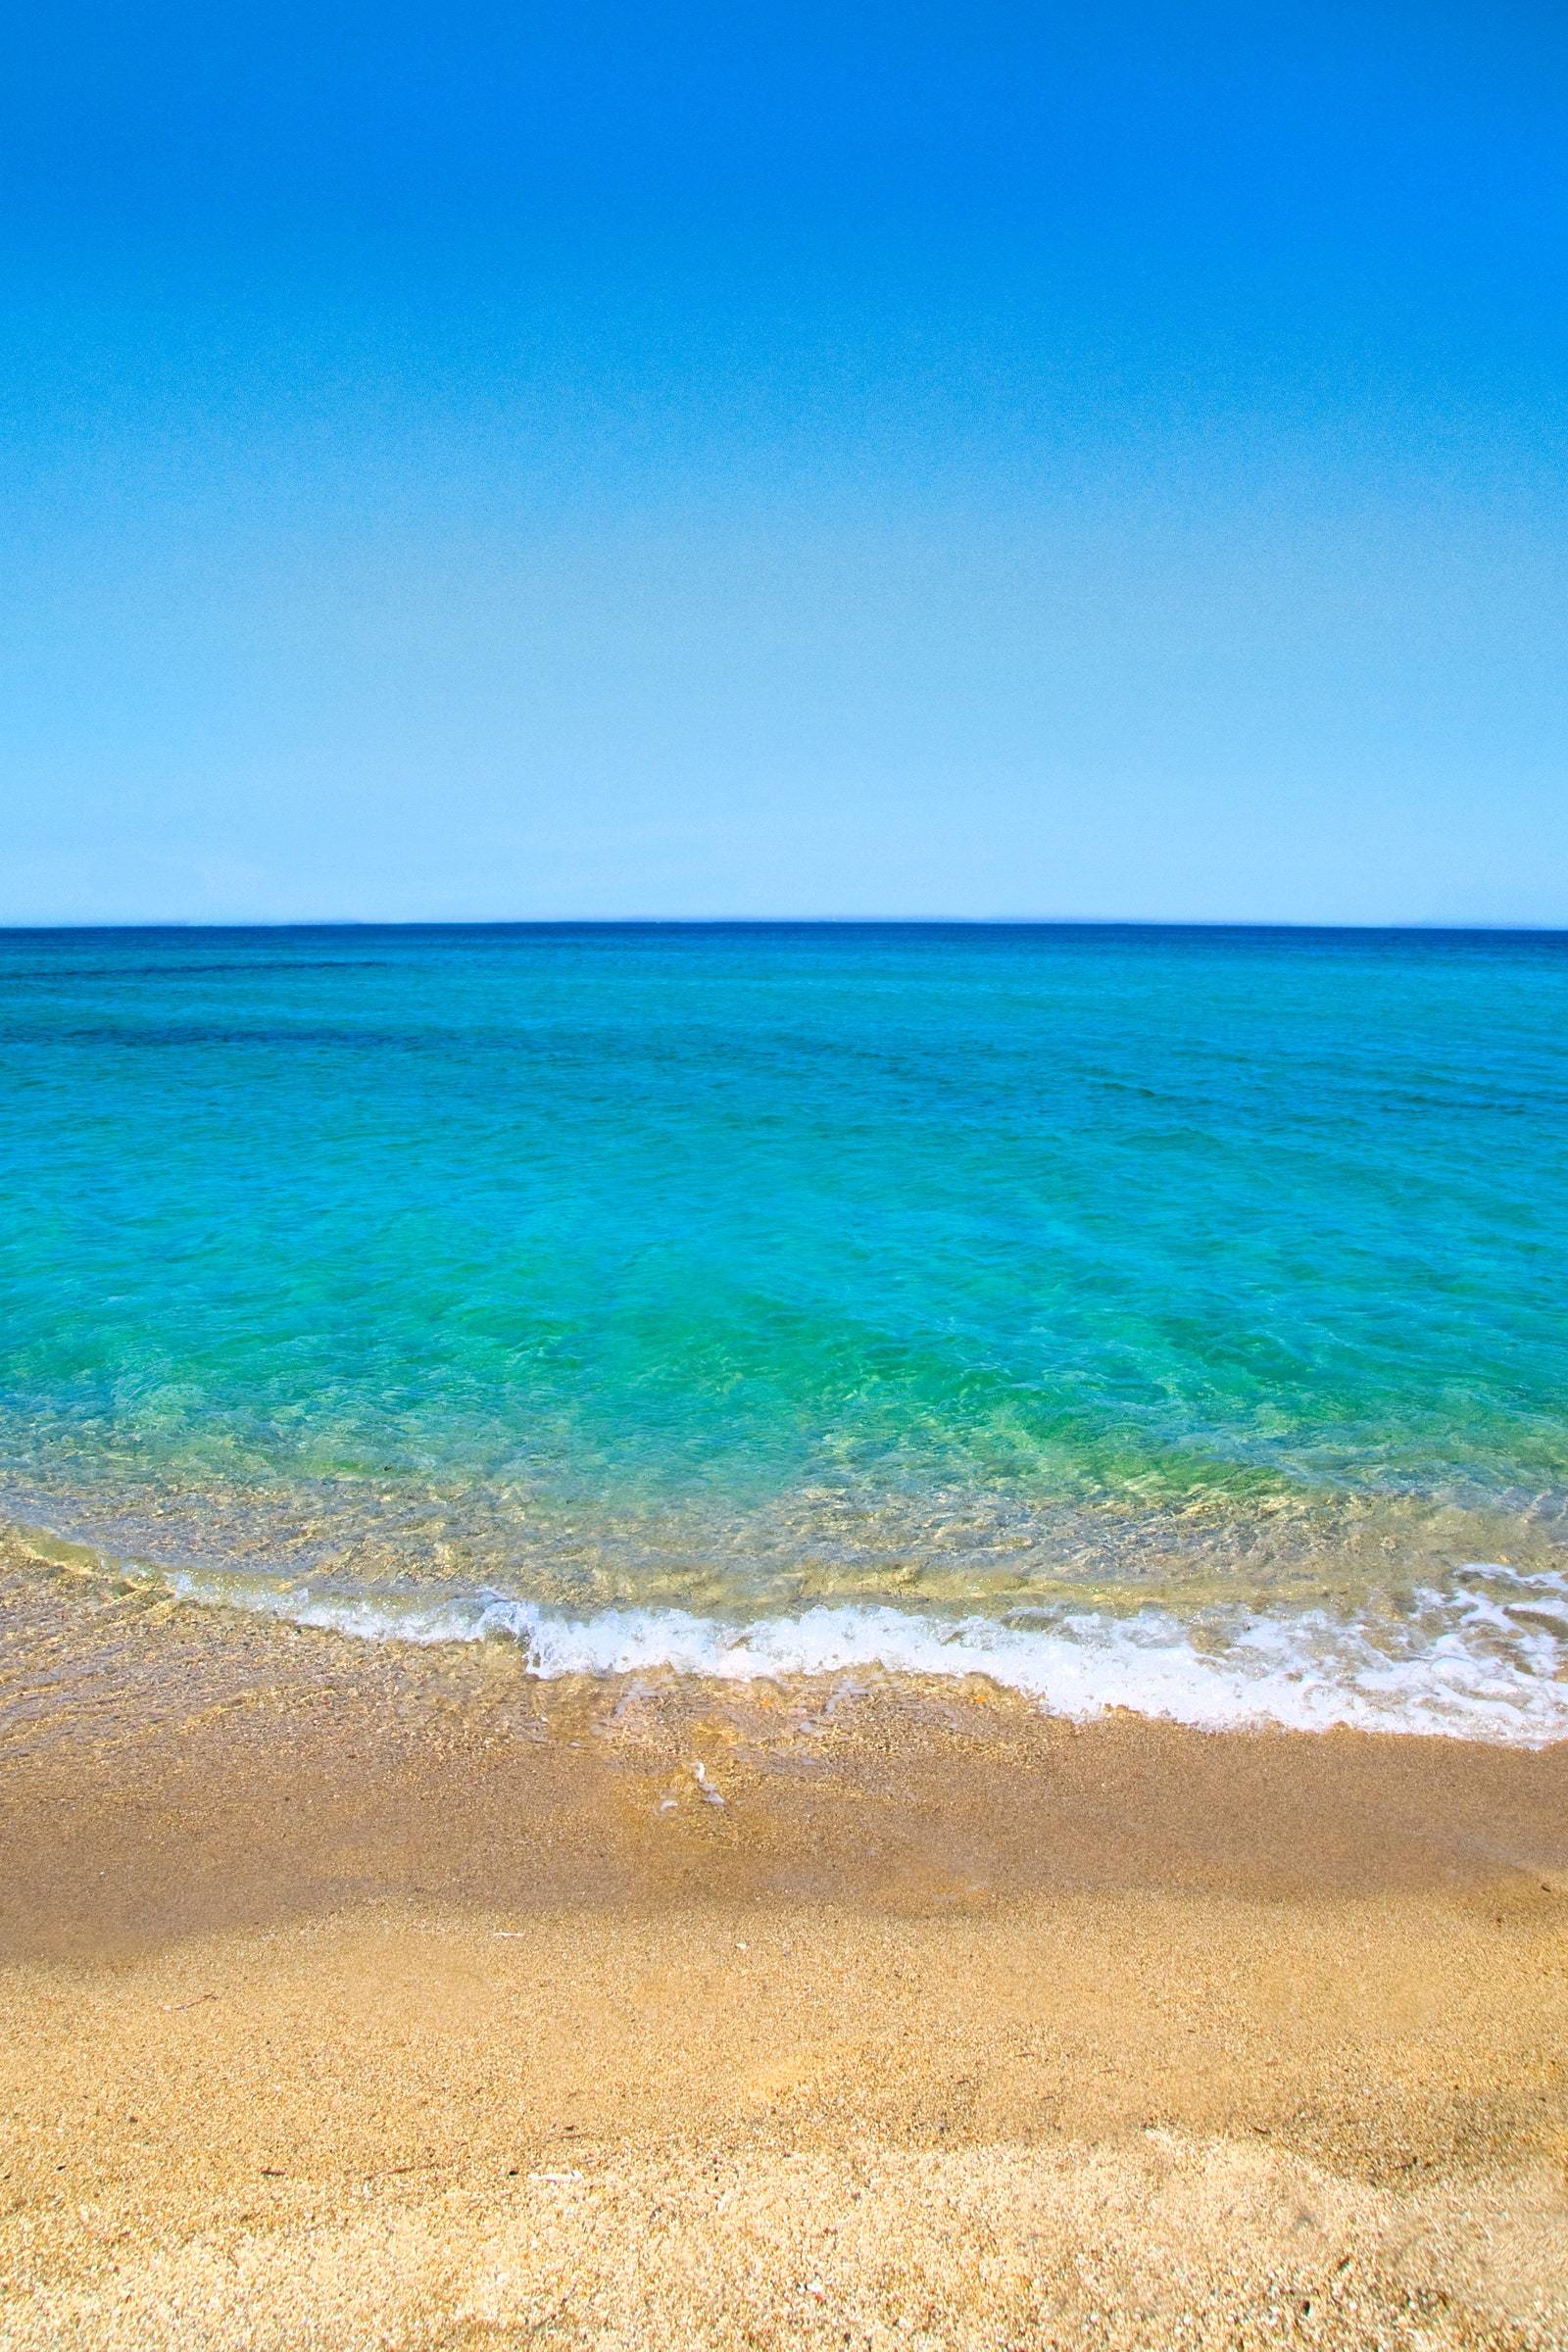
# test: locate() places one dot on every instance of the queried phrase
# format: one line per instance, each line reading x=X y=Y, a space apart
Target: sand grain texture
x=358 y=1999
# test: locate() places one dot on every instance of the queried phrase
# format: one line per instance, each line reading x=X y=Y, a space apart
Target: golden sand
x=356 y=1998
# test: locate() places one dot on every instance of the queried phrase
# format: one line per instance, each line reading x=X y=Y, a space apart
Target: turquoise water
x=1166 y=1304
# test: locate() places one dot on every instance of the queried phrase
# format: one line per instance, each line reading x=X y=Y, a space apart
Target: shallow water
x=1162 y=1316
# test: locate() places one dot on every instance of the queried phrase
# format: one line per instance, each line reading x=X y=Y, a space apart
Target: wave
x=1486 y=1661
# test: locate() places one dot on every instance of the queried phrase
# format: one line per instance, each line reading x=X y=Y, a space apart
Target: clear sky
x=852 y=460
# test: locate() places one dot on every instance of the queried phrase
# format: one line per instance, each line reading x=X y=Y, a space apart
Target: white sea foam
x=1486 y=1660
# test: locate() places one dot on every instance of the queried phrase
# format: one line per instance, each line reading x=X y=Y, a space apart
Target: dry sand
x=360 y=1997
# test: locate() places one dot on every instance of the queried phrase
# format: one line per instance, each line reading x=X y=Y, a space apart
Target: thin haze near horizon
x=677 y=462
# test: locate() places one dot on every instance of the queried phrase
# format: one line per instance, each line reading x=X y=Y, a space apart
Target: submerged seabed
x=1161 y=1319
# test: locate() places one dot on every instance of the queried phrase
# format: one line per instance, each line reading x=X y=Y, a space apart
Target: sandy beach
x=359 y=1996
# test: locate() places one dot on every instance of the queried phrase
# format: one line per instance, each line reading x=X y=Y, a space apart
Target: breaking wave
x=1487 y=1659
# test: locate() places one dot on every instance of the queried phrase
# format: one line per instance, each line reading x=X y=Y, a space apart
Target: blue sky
x=884 y=461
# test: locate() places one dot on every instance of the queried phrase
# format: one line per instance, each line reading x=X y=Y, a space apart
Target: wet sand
x=358 y=1996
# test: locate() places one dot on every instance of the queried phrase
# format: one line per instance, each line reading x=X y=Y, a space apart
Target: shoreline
x=172 y=1769
x=1483 y=1659
x=374 y=1996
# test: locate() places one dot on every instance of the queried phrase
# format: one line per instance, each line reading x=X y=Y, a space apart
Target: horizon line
x=780 y=922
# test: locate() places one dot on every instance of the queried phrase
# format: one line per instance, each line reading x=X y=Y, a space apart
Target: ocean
x=1164 y=1319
